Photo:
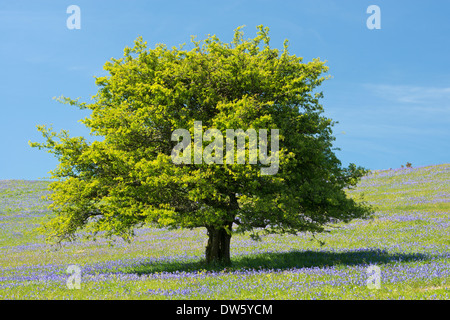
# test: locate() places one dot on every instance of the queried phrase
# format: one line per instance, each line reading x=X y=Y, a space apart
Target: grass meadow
x=408 y=240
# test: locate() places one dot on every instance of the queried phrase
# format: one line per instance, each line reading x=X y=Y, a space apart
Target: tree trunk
x=218 y=247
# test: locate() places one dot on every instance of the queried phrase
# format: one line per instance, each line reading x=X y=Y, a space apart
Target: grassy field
x=408 y=240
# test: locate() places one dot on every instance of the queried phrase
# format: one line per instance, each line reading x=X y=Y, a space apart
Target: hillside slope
x=408 y=239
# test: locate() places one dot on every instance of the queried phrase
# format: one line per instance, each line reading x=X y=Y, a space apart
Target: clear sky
x=389 y=91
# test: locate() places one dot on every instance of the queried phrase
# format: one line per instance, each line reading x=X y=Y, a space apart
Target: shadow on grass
x=283 y=261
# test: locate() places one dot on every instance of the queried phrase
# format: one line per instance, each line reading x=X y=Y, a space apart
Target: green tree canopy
x=126 y=178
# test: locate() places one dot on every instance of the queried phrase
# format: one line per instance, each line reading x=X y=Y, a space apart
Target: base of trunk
x=218 y=247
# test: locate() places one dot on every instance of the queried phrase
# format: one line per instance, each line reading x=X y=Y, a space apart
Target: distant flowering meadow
x=408 y=240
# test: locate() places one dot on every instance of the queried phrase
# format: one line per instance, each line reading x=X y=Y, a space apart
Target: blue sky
x=389 y=91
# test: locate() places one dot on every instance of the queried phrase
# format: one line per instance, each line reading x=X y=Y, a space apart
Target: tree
x=127 y=177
